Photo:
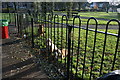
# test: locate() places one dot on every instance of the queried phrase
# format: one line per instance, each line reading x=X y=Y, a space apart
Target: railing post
x=32 y=33
x=62 y=20
x=18 y=23
x=69 y=47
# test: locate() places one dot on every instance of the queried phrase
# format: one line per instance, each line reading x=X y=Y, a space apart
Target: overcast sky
x=103 y=0
x=113 y=2
x=117 y=1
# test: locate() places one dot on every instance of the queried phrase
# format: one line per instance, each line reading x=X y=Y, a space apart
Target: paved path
x=17 y=61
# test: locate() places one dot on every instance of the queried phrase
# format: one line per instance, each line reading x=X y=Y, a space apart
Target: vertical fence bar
x=48 y=36
x=85 y=50
x=22 y=24
x=51 y=30
x=116 y=43
x=15 y=13
x=54 y=31
x=24 y=17
x=18 y=24
x=55 y=26
x=72 y=48
x=32 y=32
x=40 y=23
x=64 y=16
x=69 y=48
x=93 y=46
x=61 y=36
x=27 y=23
x=78 y=49
x=15 y=18
x=57 y=35
x=66 y=42
x=104 y=47
x=45 y=27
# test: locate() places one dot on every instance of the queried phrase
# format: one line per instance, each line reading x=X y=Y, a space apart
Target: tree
x=69 y=9
x=80 y=5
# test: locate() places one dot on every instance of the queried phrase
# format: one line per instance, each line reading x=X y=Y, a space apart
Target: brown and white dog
x=51 y=47
x=64 y=53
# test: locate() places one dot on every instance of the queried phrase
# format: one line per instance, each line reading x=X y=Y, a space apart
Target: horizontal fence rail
x=83 y=28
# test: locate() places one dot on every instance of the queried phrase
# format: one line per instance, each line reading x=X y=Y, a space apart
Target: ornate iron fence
x=78 y=52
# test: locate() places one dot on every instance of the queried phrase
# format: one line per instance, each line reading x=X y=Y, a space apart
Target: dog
x=64 y=53
x=52 y=48
x=41 y=30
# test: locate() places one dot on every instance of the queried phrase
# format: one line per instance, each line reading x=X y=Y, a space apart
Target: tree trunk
x=43 y=11
x=69 y=9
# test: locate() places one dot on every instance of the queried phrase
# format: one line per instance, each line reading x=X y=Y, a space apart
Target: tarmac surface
x=18 y=63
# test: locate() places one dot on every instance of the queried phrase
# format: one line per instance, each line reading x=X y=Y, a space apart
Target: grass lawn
x=92 y=22
x=8 y=16
x=100 y=22
x=110 y=15
x=109 y=51
x=84 y=21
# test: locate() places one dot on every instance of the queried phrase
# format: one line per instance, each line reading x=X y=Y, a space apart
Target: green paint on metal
x=4 y=22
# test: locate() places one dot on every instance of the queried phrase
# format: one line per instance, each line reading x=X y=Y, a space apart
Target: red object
x=5 y=32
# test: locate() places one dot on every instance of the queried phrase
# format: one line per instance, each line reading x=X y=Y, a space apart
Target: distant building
x=118 y=8
x=101 y=6
x=20 y=6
